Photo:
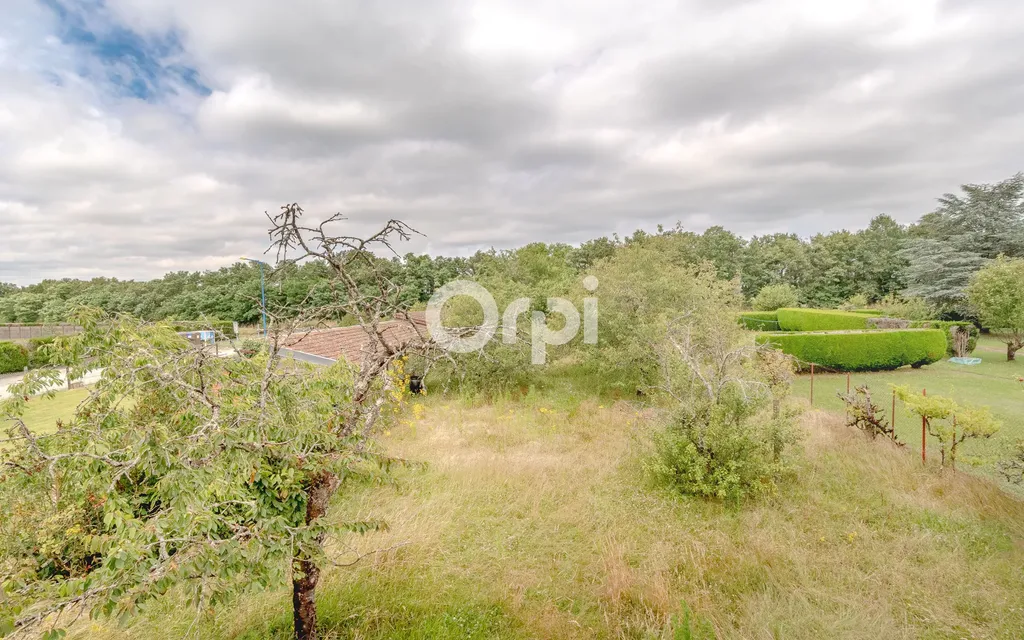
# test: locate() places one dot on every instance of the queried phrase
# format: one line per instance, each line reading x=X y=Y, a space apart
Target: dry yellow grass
x=538 y=523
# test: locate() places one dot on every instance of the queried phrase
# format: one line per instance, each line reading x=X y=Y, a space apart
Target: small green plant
x=13 y=357
x=858 y=301
x=251 y=347
x=951 y=424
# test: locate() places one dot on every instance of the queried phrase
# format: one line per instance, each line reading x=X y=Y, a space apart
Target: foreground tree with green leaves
x=996 y=294
x=209 y=476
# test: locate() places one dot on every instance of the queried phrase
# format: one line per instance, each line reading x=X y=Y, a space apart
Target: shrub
x=13 y=357
x=775 y=297
x=872 y=313
x=862 y=350
x=730 y=428
x=858 y=301
x=759 y=320
x=722 y=459
x=38 y=352
x=908 y=309
x=820 y=320
x=972 y=332
x=251 y=346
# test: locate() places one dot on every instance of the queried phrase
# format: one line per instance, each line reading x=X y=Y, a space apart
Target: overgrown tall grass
x=533 y=519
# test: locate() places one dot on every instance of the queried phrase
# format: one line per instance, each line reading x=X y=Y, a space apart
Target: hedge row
x=821 y=320
x=13 y=357
x=973 y=333
x=862 y=350
x=220 y=326
x=759 y=320
x=868 y=312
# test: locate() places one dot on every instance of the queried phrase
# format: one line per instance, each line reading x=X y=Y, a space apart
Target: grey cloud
x=569 y=127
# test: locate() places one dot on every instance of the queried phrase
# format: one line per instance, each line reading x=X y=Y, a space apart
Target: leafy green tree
x=879 y=251
x=775 y=259
x=186 y=469
x=776 y=296
x=996 y=294
x=6 y=289
x=634 y=311
x=939 y=274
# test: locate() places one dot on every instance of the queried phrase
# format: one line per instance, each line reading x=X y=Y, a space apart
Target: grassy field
x=994 y=384
x=534 y=519
x=42 y=413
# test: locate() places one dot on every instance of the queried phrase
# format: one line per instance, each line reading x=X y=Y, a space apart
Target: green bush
x=724 y=459
x=945 y=326
x=875 y=313
x=13 y=357
x=251 y=346
x=38 y=352
x=759 y=320
x=862 y=350
x=775 y=297
x=821 y=320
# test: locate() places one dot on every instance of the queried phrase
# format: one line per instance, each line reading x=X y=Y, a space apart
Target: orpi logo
x=540 y=334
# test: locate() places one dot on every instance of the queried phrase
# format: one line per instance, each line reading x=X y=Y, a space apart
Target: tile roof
x=352 y=343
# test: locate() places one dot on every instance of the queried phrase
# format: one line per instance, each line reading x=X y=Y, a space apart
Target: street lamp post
x=263 y=292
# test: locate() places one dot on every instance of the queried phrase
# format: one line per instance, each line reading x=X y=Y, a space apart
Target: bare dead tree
x=867 y=416
x=372 y=299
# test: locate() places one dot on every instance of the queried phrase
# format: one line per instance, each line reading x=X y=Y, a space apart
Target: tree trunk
x=1011 y=351
x=305 y=572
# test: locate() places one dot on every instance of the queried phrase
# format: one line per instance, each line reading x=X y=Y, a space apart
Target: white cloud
x=490 y=122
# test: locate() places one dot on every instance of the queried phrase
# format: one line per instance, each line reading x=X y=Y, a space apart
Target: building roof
x=352 y=343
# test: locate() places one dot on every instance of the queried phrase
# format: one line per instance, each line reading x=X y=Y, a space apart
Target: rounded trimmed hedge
x=821 y=320
x=13 y=357
x=862 y=350
x=759 y=320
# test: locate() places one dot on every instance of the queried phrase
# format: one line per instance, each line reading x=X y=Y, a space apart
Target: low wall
x=23 y=332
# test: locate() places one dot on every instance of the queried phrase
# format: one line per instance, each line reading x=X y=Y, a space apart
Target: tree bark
x=1011 y=351
x=305 y=572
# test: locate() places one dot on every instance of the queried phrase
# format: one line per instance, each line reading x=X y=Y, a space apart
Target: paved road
x=11 y=379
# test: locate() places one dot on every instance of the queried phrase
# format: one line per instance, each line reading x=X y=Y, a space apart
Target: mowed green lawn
x=994 y=383
x=42 y=413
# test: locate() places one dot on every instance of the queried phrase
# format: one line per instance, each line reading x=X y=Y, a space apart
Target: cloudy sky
x=143 y=136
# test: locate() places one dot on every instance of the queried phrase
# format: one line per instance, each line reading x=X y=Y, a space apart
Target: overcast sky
x=143 y=136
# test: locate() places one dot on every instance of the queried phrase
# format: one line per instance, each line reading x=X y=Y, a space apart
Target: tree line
x=931 y=260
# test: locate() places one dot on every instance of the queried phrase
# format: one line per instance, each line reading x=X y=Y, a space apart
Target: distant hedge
x=13 y=357
x=821 y=320
x=759 y=320
x=972 y=331
x=220 y=326
x=862 y=350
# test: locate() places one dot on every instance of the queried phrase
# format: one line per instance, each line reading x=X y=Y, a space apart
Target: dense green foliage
x=729 y=431
x=13 y=357
x=776 y=296
x=820 y=320
x=862 y=350
x=952 y=243
x=997 y=295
